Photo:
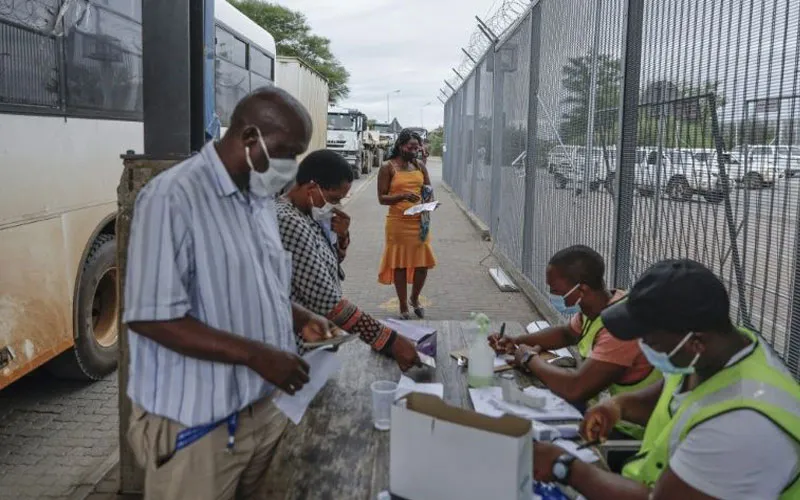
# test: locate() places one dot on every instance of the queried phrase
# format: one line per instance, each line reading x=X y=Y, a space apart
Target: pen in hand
x=502 y=331
x=589 y=444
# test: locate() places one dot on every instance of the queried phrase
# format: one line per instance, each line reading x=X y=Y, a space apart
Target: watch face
x=560 y=471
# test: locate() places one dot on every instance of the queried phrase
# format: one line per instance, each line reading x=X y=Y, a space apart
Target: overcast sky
x=388 y=45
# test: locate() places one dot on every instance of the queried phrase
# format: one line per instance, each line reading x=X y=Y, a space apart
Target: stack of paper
x=406 y=386
x=489 y=401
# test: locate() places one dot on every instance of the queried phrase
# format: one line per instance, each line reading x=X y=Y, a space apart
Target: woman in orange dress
x=403 y=182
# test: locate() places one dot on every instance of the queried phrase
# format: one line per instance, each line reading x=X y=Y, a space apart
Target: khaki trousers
x=206 y=469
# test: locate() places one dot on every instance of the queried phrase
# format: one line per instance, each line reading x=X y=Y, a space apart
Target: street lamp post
x=388 y=111
x=422 y=113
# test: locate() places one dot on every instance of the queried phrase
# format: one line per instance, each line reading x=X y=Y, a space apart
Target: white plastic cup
x=383 y=392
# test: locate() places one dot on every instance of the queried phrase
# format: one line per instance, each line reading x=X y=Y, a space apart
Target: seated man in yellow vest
x=577 y=288
x=724 y=423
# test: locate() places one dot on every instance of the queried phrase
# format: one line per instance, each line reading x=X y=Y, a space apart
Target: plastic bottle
x=481 y=357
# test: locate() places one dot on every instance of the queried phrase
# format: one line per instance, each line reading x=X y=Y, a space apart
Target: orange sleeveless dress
x=404 y=249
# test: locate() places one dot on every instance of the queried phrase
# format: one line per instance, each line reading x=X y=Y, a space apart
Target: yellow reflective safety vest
x=757 y=382
x=589 y=330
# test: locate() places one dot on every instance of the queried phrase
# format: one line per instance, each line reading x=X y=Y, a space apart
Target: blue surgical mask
x=559 y=302
x=662 y=362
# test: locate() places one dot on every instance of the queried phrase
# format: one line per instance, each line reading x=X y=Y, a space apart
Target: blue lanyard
x=188 y=436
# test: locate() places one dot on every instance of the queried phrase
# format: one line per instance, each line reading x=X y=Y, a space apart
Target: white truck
x=346 y=129
x=298 y=78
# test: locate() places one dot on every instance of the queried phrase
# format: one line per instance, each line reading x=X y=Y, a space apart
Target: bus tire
x=96 y=347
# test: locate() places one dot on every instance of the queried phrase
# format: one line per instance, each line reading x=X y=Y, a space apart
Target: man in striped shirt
x=212 y=327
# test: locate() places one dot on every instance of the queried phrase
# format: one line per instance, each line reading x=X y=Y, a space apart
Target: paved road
x=57 y=438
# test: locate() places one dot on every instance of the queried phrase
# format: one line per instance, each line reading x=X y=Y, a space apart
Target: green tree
x=685 y=110
x=436 y=137
x=577 y=81
x=294 y=38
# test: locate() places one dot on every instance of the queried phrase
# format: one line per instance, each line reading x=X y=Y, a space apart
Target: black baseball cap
x=677 y=296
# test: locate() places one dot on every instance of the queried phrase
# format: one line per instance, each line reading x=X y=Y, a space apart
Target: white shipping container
x=310 y=88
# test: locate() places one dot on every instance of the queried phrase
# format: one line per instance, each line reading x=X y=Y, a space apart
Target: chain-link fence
x=699 y=105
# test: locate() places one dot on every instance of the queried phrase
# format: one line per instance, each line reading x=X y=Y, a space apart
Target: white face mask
x=323 y=213
x=280 y=172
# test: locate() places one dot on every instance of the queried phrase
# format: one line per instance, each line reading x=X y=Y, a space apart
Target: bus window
x=261 y=63
x=29 y=60
x=231 y=48
x=103 y=61
x=233 y=79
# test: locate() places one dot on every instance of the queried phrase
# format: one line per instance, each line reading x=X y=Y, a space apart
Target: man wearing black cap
x=725 y=423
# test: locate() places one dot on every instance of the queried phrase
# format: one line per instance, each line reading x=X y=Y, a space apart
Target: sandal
x=405 y=316
x=418 y=310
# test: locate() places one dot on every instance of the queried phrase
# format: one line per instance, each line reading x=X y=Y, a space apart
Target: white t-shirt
x=737 y=455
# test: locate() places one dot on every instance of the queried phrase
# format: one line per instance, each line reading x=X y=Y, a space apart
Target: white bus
x=70 y=105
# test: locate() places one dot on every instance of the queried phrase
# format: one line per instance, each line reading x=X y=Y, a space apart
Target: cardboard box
x=440 y=452
x=423 y=336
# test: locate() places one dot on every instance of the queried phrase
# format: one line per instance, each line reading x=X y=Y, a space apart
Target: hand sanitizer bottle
x=481 y=356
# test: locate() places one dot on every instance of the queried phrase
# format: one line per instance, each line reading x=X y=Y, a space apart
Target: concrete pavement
x=55 y=437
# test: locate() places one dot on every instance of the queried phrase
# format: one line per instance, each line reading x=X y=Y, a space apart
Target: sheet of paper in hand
x=323 y=364
x=422 y=207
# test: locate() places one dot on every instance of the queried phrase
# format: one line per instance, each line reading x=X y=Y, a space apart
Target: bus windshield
x=341 y=122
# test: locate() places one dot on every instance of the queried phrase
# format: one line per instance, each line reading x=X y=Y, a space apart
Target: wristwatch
x=562 y=467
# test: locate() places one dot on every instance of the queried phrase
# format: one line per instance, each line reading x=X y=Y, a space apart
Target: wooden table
x=335 y=453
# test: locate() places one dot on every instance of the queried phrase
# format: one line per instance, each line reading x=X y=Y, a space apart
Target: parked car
x=785 y=158
x=569 y=167
x=681 y=176
x=755 y=173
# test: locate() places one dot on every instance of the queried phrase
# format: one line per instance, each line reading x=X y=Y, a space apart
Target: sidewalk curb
x=483 y=229
x=539 y=302
x=361 y=187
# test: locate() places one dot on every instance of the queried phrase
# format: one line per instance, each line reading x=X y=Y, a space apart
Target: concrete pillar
x=138 y=170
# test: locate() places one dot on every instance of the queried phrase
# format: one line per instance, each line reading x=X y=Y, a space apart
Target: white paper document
x=323 y=364
x=563 y=352
x=409 y=329
x=406 y=386
x=422 y=207
x=489 y=401
x=537 y=326
x=586 y=455
x=500 y=362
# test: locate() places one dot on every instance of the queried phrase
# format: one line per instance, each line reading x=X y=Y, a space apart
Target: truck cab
x=345 y=135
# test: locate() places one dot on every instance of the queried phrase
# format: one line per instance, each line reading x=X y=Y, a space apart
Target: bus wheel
x=97 y=342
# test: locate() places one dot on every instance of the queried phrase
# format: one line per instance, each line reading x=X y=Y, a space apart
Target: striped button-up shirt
x=202 y=248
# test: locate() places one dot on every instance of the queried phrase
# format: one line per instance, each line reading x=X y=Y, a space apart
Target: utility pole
x=388 y=110
x=422 y=114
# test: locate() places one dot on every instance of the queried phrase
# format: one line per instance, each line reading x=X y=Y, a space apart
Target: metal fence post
x=530 y=153
x=793 y=349
x=626 y=159
x=474 y=154
x=498 y=124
